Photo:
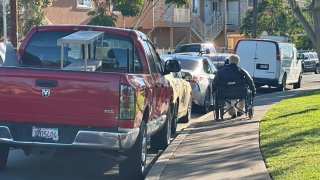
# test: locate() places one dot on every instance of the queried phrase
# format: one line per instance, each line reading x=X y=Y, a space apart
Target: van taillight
x=278 y=54
x=127 y=102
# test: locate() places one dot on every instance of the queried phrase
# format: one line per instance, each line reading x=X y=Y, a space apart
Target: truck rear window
x=109 y=53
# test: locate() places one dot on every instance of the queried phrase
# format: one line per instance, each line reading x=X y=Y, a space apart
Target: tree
x=31 y=14
x=276 y=18
x=310 y=21
x=128 y=8
x=1 y=20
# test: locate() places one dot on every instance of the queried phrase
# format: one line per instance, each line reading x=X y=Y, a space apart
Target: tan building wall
x=66 y=12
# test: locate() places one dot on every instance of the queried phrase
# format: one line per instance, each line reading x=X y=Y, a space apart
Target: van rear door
x=246 y=51
x=266 y=63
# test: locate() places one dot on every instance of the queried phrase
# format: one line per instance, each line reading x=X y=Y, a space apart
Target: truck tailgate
x=59 y=97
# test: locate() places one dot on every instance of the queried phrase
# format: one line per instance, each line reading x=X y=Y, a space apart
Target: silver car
x=200 y=72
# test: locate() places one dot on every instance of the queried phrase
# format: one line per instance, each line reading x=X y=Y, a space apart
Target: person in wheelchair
x=232 y=82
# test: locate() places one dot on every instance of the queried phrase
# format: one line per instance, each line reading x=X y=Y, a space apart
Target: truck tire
x=186 y=118
x=135 y=164
x=161 y=139
x=4 y=152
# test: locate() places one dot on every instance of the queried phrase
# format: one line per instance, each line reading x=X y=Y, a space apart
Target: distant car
x=204 y=48
x=182 y=98
x=309 y=62
x=200 y=72
x=220 y=59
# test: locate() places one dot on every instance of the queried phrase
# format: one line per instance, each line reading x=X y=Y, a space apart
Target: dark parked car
x=309 y=62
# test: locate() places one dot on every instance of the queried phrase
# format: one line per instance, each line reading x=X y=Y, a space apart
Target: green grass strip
x=290 y=138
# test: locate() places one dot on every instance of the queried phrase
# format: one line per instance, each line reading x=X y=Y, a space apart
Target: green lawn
x=290 y=138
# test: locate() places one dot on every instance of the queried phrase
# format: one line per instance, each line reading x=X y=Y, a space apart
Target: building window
x=195 y=6
x=250 y=2
x=84 y=4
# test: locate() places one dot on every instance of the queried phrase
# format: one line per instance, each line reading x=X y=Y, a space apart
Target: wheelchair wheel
x=216 y=112
x=250 y=107
x=221 y=108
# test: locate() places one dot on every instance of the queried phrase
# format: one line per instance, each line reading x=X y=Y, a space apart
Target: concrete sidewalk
x=227 y=149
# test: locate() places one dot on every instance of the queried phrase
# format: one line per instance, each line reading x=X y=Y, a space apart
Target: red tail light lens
x=127 y=102
x=195 y=79
x=278 y=54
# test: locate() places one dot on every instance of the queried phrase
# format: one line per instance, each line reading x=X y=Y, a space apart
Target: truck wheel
x=135 y=164
x=161 y=139
x=298 y=84
x=317 y=71
x=186 y=118
x=174 y=118
x=4 y=152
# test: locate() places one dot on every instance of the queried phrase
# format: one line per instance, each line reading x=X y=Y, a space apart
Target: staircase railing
x=209 y=30
x=198 y=27
x=212 y=31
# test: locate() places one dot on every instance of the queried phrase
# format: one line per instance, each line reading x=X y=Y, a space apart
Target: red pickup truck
x=87 y=87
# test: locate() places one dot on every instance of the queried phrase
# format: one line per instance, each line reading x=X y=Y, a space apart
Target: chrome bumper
x=121 y=140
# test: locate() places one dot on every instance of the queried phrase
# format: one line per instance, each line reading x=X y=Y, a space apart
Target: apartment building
x=168 y=25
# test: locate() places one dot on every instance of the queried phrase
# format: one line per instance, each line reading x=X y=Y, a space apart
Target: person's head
x=234 y=59
x=226 y=61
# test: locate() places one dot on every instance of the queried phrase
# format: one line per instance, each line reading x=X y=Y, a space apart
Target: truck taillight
x=127 y=102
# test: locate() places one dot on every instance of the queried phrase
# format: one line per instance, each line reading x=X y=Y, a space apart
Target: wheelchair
x=232 y=92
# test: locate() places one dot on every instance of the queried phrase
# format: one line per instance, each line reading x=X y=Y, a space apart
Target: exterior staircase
x=209 y=30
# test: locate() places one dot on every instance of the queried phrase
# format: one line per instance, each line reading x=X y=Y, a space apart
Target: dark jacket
x=233 y=73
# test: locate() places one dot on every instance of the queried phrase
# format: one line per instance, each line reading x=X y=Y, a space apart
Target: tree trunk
x=312 y=29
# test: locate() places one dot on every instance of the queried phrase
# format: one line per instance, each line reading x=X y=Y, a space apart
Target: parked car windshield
x=188 y=48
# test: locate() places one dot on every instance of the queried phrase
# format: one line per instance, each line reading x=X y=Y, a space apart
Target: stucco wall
x=66 y=12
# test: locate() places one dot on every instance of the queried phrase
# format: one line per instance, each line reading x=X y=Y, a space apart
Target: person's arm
x=249 y=80
x=215 y=83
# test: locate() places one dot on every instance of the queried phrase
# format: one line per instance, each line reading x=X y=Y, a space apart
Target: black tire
x=250 y=112
x=161 y=139
x=283 y=85
x=186 y=118
x=317 y=70
x=216 y=112
x=4 y=153
x=207 y=102
x=216 y=108
x=174 y=121
x=135 y=164
x=298 y=84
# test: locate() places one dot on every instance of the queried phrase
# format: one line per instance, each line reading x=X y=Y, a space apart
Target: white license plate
x=47 y=133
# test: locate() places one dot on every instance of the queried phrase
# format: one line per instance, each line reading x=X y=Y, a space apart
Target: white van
x=270 y=62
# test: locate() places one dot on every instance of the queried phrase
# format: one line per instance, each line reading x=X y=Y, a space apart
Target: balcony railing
x=181 y=15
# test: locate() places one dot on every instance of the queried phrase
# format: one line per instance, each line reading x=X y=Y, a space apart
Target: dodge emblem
x=45 y=92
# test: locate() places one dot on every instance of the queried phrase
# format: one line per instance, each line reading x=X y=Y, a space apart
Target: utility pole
x=254 y=17
x=4 y=16
x=14 y=23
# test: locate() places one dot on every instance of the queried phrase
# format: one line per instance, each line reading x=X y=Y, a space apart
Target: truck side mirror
x=172 y=65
